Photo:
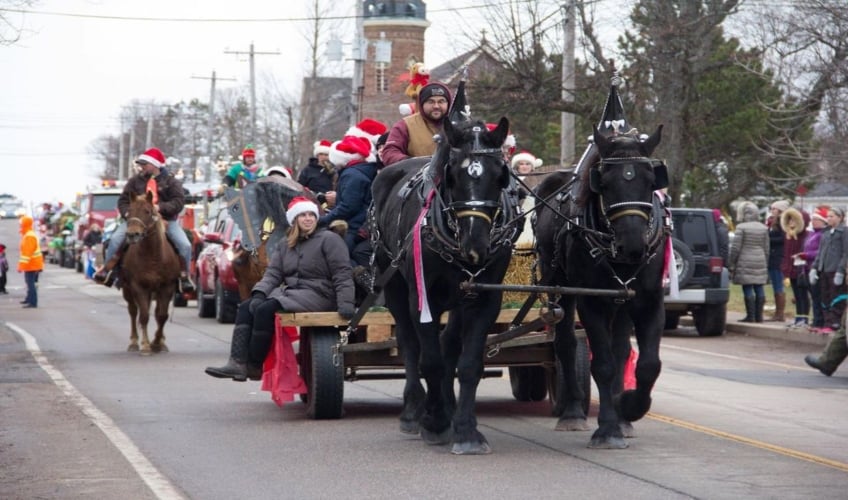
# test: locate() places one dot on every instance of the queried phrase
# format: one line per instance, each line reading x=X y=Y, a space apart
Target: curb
x=767 y=330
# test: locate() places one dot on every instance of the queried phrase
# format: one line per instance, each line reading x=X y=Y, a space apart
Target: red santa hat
x=300 y=205
x=152 y=156
x=248 y=151
x=820 y=213
x=367 y=128
x=509 y=142
x=525 y=156
x=350 y=149
x=321 y=147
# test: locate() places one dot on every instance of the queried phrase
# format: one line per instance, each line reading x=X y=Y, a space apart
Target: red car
x=217 y=288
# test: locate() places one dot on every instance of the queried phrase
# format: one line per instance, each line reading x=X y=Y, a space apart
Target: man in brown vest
x=413 y=136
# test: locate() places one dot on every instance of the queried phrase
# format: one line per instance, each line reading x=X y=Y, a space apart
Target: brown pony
x=150 y=271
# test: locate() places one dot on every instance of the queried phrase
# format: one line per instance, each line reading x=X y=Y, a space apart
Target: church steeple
x=395 y=9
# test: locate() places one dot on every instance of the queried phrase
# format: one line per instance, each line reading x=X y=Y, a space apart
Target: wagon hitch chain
x=548 y=316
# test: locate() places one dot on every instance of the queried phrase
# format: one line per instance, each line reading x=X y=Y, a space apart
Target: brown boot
x=779 y=307
x=106 y=275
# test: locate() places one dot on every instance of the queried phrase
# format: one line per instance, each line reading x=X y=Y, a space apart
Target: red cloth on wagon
x=280 y=374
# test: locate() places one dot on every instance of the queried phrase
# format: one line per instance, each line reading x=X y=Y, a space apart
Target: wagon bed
x=325 y=361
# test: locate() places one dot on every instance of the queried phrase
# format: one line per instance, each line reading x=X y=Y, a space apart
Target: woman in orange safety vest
x=31 y=261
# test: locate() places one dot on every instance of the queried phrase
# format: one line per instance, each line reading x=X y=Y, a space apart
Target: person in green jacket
x=243 y=172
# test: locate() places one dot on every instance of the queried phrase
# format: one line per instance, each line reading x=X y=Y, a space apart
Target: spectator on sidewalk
x=794 y=223
x=776 y=240
x=748 y=260
x=829 y=269
x=811 y=249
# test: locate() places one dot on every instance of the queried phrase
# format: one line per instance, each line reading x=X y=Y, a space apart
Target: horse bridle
x=145 y=227
x=613 y=212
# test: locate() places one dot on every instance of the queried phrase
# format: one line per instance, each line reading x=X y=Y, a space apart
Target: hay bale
x=519 y=272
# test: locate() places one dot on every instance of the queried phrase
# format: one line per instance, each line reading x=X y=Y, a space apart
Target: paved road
x=735 y=416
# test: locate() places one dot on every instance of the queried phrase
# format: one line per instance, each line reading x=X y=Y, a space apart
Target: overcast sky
x=80 y=61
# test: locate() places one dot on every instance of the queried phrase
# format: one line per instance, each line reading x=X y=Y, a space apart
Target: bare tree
x=12 y=20
x=806 y=45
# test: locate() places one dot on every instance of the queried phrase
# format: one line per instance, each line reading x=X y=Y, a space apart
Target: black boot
x=759 y=303
x=750 y=304
x=260 y=344
x=236 y=367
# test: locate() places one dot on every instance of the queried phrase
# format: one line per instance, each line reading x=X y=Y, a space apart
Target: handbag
x=802 y=281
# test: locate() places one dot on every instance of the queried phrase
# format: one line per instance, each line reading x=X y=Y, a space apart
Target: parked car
x=703 y=278
x=217 y=288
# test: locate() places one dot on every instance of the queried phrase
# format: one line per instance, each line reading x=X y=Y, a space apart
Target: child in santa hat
x=524 y=163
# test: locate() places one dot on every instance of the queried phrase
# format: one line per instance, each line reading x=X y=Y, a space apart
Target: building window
x=382 y=79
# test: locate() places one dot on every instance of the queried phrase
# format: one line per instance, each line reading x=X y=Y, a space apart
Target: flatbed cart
x=522 y=341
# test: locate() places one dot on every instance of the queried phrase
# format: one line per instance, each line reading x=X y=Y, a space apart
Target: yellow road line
x=751 y=442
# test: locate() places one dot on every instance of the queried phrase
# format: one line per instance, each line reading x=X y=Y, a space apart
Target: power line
x=216 y=20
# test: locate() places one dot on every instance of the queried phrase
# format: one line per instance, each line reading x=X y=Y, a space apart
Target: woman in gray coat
x=748 y=262
x=309 y=271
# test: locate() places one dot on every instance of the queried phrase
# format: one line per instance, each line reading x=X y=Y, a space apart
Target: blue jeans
x=173 y=231
x=776 y=278
x=753 y=291
x=30 y=278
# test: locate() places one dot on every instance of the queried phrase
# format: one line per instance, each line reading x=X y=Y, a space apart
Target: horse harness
x=439 y=226
x=594 y=221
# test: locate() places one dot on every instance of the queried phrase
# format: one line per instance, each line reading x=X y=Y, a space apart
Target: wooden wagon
x=329 y=355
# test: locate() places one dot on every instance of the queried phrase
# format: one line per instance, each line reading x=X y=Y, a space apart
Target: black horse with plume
x=439 y=222
x=606 y=226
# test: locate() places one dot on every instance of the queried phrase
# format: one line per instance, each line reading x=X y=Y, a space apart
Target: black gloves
x=255 y=300
x=347 y=311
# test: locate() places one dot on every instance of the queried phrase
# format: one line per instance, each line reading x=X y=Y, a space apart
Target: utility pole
x=210 y=124
x=252 y=53
x=149 y=138
x=566 y=141
x=122 y=173
x=359 y=55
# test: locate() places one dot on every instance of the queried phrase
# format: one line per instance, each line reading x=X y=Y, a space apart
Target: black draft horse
x=605 y=227
x=439 y=225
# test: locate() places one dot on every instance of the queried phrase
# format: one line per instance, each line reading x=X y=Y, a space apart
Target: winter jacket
x=750 y=248
x=170 y=193
x=314 y=275
x=790 y=248
x=833 y=251
x=240 y=171
x=412 y=136
x=315 y=177
x=811 y=247
x=31 y=258
x=353 y=196
x=776 y=240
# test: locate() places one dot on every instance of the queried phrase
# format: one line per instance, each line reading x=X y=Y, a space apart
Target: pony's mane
x=269 y=198
x=626 y=145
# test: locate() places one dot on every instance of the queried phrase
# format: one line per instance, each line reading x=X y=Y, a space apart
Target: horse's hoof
x=145 y=351
x=410 y=427
x=627 y=429
x=159 y=348
x=471 y=448
x=132 y=348
x=571 y=424
x=607 y=443
x=437 y=438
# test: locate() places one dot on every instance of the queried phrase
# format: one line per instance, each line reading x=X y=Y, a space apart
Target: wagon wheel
x=324 y=380
x=582 y=366
x=528 y=382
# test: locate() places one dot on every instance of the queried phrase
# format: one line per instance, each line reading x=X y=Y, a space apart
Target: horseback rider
x=245 y=171
x=169 y=200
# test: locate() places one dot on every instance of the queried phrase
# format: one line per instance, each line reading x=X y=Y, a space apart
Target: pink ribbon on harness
x=670 y=264
x=418 y=262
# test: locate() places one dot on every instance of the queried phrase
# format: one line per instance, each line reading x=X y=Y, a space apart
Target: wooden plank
x=376 y=318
